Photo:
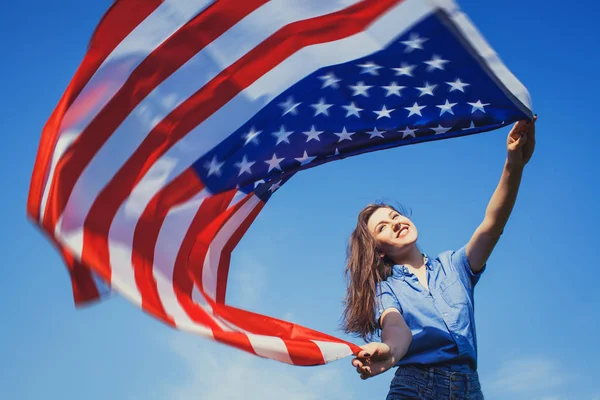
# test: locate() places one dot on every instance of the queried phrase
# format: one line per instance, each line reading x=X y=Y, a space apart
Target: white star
x=415 y=42
x=375 y=133
x=384 y=113
x=258 y=183
x=214 y=166
x=405 y=69
x=415 y=109
x=440 y=129
x=274 y=162
x=408 y=132
x=289 y=106
x=343 y=135
x=360 y=89
x=244 y=166
x=436 y=63
x=282 y=135
x=329 y=80
x=321 y=107
x=458 y=85
x=312 y=134
x=252 y=136
x=352 y=110
x=275 y=186
x=427 y=89
x=446 y=107
x=370 y=68
x=305 y=159
x=393 y=88
x=478 y=106
x=472 y=126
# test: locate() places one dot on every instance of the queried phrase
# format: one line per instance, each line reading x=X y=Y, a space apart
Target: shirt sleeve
x=460 y=262
x=385 y=298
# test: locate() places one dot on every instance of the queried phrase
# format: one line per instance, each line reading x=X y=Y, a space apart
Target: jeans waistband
x=444 y=369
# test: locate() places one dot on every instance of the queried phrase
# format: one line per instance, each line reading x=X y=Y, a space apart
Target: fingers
x=365 y=375
x=364 y=354
x=376 y=368
x=362 y=368
x=532 y=130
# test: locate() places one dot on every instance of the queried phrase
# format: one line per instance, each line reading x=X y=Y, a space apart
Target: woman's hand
x=374 y=359
x=521 y=143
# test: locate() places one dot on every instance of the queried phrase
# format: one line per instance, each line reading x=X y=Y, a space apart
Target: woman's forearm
x=503 y=200
x=398 y=338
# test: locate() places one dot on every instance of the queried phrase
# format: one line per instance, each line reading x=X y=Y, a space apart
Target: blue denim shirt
x=442 y=321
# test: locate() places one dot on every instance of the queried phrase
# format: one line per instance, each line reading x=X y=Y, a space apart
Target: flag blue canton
x=427 y=84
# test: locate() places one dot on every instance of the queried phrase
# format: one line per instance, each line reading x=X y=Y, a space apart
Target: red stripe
x=292 y=334
x=235 y=339
x=183 y=284
x=204 y=238
x=304 y=353
x=159 y=65
x=84 y=288
x=225 y=256
x=120 y=19
x=146 y=234
x=296 y=338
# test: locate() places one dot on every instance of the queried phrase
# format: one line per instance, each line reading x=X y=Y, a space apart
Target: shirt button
x=445 y=314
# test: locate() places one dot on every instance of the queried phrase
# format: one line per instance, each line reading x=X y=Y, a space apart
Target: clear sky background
x=537 y=306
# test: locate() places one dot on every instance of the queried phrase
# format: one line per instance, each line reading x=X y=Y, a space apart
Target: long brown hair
x=365 y=269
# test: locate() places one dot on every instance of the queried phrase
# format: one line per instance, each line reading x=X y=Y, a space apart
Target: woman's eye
x=381 y=228
x=395 y=216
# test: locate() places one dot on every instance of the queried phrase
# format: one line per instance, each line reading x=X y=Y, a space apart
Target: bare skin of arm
x=377 y=357
x=520 y=145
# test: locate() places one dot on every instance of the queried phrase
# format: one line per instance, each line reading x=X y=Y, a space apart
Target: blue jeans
x=434 y=383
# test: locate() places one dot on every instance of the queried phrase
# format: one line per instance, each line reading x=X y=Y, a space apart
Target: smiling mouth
x=402 y=231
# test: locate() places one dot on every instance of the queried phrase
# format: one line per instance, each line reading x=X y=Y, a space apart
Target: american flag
x=186 y=116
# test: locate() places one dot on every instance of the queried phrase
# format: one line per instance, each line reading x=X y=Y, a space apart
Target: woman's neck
x=412 y=259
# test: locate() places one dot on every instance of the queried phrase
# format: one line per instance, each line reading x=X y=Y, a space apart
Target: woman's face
x=394 y=232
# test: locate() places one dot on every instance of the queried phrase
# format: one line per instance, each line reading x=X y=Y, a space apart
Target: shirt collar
x=401 y=271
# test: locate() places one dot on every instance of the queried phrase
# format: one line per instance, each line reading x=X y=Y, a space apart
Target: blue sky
x=536 y=306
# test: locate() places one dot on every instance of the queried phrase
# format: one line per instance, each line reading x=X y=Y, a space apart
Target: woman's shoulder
x=449 y=258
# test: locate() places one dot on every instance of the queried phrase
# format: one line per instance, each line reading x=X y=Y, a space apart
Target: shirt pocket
x=454 y=293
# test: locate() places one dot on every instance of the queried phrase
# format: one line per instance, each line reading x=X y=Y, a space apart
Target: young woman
x=423 y=307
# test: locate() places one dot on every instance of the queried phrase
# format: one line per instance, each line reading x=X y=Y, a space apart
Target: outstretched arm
x=520 y=145
x=377 y=357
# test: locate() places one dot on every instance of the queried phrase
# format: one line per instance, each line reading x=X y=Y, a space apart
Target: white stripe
x=199 y=70
x=165 y=20
x=270 y=347
x=213 y=256
x=62 y=144
x=171 y=236
x=333 y=351
x=239 y=196
x=491 y=58
x=122 y=279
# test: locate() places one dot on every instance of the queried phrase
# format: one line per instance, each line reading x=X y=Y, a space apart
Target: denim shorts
x=434 y=383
